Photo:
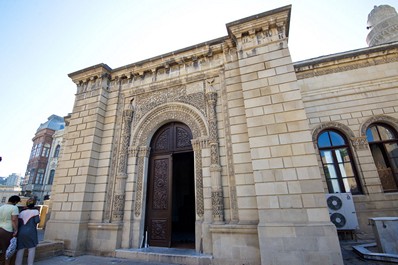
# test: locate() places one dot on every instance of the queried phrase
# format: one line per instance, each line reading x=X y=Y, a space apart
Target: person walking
x=27 y=234
x=8 y=226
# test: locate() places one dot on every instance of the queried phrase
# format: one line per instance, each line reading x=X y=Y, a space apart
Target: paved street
x=350 y=258
x=92 y=260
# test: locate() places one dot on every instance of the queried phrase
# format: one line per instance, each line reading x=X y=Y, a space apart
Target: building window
x=337 y=163
x=38 y=149
x=32 y=153
x=51 y=177
x=383 y=143
x=56 y=152
x=31 y=176
x=40 y=176
x=3 y=200
x=46 y=150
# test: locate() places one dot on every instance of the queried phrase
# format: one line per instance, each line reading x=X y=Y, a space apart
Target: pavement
x=92 y=260
x=349 y=258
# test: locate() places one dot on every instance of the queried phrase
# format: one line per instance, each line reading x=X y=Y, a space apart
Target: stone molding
x=328 y=126
x=347 y=61
x=393 y=122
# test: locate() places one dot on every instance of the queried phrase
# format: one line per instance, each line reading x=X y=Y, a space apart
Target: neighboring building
x=3 y=180
x=229 y=148
x=39 y=156
x=52 y=163
x=13 y=180
x=8 y=191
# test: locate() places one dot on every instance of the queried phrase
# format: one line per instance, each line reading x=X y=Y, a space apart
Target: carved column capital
x=144 y=151
x=360 y=143
x=200 y=143
x=133 y=151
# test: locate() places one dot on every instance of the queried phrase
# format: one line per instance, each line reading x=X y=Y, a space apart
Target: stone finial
x=383 y=25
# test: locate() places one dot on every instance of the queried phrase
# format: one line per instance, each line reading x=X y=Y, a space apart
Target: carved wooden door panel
x=171 y=139
x=159 y=202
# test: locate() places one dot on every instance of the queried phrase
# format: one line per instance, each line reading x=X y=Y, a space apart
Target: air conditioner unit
x=342 y=211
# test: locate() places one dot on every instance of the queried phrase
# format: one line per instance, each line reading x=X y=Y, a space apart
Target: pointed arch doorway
x=170 y=210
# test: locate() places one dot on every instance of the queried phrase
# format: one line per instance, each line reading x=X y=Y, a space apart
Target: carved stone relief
x=117 y=214
x=215 y=168
x=360 y=143
x=148 y=126
x=149 y=101
x=199 y=144
x=143 y=152
x=114 y=159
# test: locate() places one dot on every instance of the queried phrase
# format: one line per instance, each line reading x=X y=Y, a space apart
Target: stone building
x=221 y=148
x=13 y=179
x=39 y=156
x=7 y=191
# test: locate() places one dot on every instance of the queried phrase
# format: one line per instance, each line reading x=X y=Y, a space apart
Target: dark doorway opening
x=183 y=205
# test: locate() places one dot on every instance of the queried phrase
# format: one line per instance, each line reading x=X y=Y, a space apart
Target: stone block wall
x=348 y=92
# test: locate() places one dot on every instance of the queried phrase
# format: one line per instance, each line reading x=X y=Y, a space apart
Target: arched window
x=383 y=142
x=337 y=163
x=56 y=152
x=51 y=177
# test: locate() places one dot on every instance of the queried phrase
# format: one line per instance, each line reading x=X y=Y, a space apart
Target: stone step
x=47 y=249
x=166 y=255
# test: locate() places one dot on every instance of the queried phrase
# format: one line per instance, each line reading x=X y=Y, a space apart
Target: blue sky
x=42 y=41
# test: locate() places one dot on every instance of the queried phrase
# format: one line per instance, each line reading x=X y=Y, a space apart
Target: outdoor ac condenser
x=342 y=211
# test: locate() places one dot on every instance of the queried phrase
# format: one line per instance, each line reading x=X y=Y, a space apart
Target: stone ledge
x=364 y=252
x=48 y=248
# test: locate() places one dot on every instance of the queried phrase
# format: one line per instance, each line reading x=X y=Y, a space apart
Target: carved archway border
x=393 y=122
x=143 y=131
x=331 y=125
x=150 y=123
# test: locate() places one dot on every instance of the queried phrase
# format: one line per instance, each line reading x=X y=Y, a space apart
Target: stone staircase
x=166 y=255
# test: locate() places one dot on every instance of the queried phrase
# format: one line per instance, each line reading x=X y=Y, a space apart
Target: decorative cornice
x=165 y=62
x=260 y=22
x=90 y=73
x=346 y=61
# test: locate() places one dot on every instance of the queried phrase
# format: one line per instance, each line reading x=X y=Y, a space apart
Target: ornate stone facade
x=254 y=116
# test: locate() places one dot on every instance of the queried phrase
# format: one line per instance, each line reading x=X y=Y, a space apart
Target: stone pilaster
x=119 y=196
x=215 y=168
x=294 y=223
x=75 y=189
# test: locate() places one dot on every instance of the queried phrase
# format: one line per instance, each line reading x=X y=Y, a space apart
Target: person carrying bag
x=27 y=235
x=8 y=227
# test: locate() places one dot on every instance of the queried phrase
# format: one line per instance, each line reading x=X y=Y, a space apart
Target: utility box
x=385 y=230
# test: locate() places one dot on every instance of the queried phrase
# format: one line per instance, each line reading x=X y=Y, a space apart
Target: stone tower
x=383 y=25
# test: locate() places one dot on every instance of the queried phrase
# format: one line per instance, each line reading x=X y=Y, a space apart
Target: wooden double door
x=170 y=213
